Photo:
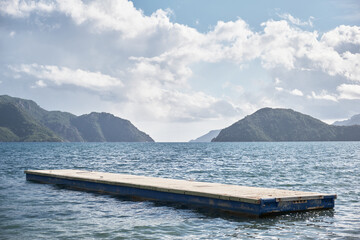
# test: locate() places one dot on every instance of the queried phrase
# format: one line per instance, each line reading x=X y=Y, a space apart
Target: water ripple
x=40 y=211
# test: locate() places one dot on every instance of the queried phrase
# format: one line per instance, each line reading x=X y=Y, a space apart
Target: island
x=25 y=121
x=276 y=125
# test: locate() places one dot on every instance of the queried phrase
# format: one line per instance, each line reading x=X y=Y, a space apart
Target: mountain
x=56 y=121
x=354 y=120
x=105 y=127
x=207 y=137
x=24 y=120
x=17 y=125
x=269 y=124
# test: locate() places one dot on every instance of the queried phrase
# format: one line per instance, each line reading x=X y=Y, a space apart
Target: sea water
x=40 y=211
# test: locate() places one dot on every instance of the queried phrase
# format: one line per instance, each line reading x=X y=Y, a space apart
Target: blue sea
x=40 y=211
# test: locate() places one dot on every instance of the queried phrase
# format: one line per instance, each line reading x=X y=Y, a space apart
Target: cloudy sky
x=178 y=69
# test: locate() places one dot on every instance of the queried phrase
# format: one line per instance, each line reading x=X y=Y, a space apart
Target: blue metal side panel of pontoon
x=272 y=206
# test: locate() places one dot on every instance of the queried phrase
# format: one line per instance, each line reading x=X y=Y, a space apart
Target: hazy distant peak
x=207 y=137
x=354 y=120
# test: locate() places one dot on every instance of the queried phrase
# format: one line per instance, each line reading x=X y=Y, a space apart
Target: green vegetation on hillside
x=285 y=125
x=100 y=127
x=23 y=120
x=17 y=125
x=6 y=135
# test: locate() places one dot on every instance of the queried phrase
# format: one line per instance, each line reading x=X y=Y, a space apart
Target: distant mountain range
x=207 y=137
x=269 y=124
x=354 y=120
x=23 y=120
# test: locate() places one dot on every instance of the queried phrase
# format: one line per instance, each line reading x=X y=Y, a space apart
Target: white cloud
x=12 y=34
x=283 y=45
x=150 y=101
x=292 y=48
x=120 y=15
x=280 y=45
x=296 y=92
x=349 y=91
x=22 y=8
x=40 y=84
x=155 y=79
x=296 y=21
x=342 y=35
x=160 y=91
x=102 y=15
x=65 y=76
x=231 y=41
x=324 y=95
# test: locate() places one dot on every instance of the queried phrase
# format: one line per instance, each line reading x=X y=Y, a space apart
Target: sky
x=178 y=69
